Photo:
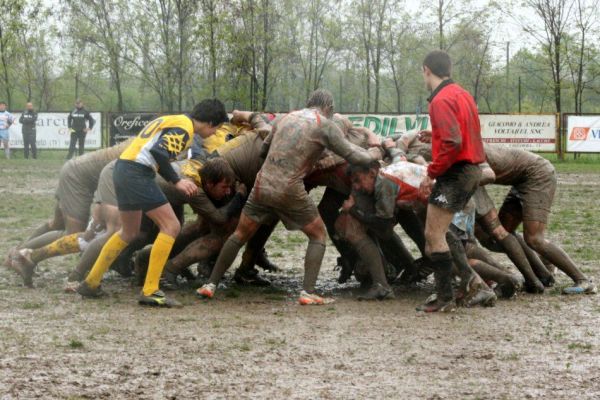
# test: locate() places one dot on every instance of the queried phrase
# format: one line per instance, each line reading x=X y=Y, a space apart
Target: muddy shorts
x=533 y=198
x=105 y=192
x=454 y=188
x=483 y=202
x=295 y=214
x=73 y=195
x=136 y=188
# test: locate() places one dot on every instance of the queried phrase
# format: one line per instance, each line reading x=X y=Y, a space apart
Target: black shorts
x=454 y=188
x=136 y=188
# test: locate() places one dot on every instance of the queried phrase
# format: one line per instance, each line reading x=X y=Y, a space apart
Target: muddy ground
x=259 y=343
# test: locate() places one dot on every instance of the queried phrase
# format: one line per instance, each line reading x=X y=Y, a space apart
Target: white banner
x=583 y=134
x=52 y=131
x=528 y=132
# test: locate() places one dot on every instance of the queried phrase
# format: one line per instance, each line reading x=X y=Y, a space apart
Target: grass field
x=251 y=343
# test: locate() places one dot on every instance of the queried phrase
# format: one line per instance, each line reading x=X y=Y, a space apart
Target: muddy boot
x=377 y=291
x=476 y=292
x=21 y=263
x=548 y=281
x=581 y=287
x=188 y=274
x=250 y=278
x=443 y=300
x=263 y=261
x=86 y=291
x=168 y=280
x=534 y=287
x=508 y=289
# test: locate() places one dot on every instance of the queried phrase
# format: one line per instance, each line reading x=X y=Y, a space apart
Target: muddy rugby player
x=295 y=144
x=138 y=193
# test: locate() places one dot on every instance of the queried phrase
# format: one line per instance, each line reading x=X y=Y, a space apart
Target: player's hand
x=240 y=116
x=187 y=187
x=425 y=188
x=348 y=204
x=326 y=163
x=373 y=140
x=241 y=189
x=425 y=136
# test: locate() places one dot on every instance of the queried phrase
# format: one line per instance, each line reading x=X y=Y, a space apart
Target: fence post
x=559 y=136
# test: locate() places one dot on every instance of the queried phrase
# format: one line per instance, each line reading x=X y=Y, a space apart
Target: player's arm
x=336 y=142
x=21 y=118
x=171 y=142
x=487 y=174
x=260 y=122
x=91 y=121
x=382 y=226
x=70 y=120
x=448 y=133
x=204 y=207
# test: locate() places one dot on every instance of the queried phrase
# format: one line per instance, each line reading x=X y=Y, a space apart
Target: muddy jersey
x=161 y=141
x=412 y=147
x=296 y=143
x=243 y=156
x=86 y=168
x=514 y=166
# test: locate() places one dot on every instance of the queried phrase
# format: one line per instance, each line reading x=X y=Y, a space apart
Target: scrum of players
x=122 y=207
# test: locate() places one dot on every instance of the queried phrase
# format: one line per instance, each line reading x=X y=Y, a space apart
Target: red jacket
x=456 y=134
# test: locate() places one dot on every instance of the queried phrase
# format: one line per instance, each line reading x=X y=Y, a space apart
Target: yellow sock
x=65 y=245
x=158 y=257
x=109 y=253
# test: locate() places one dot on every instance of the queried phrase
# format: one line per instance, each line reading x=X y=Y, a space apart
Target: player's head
x=2 y=106
x=78 y=103
x=363 y=177
x=29 y=106
x=323 y=100
x=217 y=178
x=342 y=122
x=208 y=115
x=436 y=65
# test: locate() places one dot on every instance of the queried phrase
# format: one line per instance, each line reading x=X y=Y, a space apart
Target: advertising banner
x=583 y=134
x=528 y=132
x=124 y=126
x=52 y=131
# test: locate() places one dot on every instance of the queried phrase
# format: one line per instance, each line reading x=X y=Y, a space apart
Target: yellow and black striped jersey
x=161 y=141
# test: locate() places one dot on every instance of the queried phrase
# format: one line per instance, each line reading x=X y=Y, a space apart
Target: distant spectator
x=6 y=120
x=28 y=120
x=76 y=125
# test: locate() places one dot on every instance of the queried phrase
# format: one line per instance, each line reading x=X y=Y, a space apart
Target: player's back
x=296 y=145
x=182 y=130
x=513 y=166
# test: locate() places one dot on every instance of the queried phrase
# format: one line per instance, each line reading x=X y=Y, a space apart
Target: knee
x=535 y=241
x=172 y=228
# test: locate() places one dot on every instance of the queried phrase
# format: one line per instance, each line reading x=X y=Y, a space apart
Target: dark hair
x=320 y=98
x=362 y=168
x=438 y=61
x=2 y=102
x=211 y=111
x=215 y=170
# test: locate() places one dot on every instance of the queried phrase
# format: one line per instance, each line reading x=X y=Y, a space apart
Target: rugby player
x=137 y=192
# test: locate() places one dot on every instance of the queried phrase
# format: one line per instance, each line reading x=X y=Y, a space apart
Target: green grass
x=75 y=344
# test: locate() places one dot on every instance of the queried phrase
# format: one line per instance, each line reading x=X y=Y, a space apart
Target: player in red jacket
x=454 y=174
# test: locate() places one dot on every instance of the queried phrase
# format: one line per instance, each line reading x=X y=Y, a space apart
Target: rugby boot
x=443 y=299
x=548 y=281
x=158 y=299
x=433 y=304
x=581 y=287
x=168 y=281
x=508 y=289
x=206 y=291
x=476 y=292
x=534 y=287
x=377 y=292
x=263 y=261
x=71 y=286
x=86 y=291
x=250 y=277
x=312 y=299
x=22 y=264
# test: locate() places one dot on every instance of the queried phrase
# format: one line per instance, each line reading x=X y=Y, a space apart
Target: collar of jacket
x=438 y=89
